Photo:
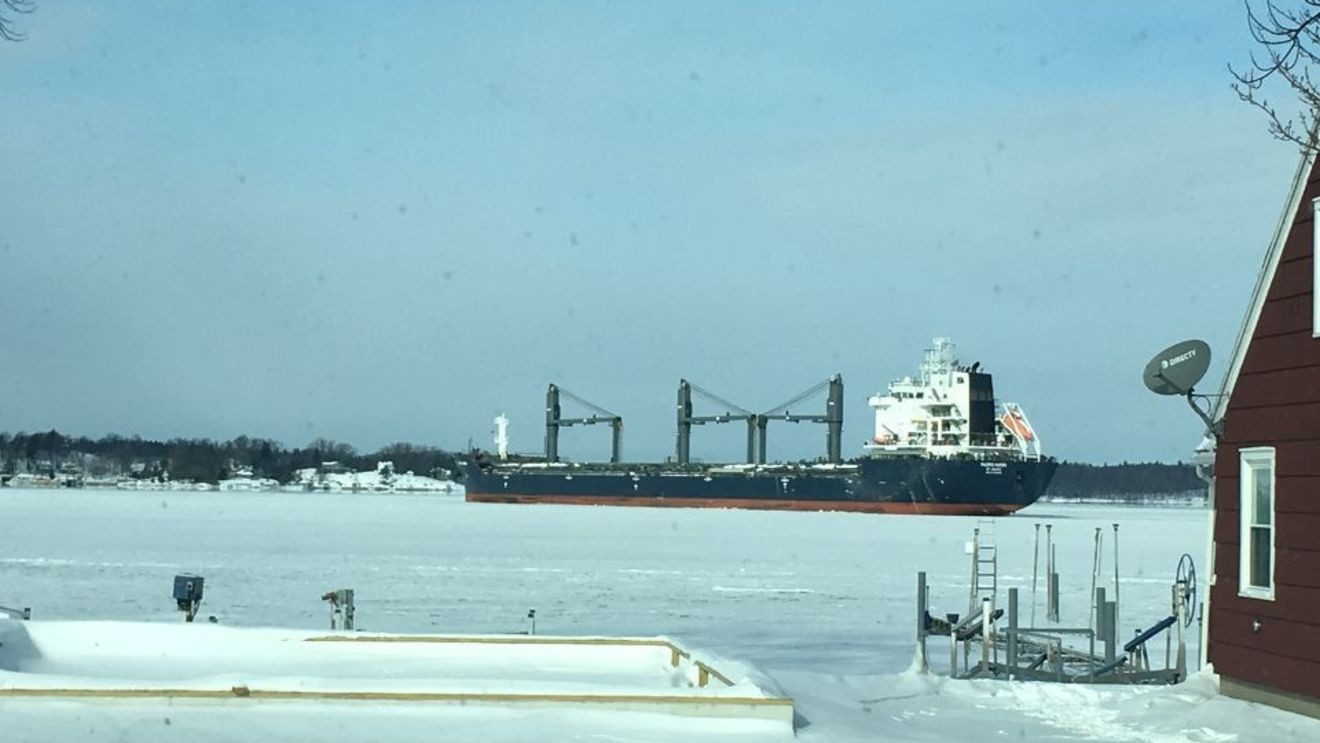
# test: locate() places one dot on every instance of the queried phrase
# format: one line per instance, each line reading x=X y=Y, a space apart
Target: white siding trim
x=1315 y=267
x=1249 y=458
x=1204 y=646
x=1263 y=281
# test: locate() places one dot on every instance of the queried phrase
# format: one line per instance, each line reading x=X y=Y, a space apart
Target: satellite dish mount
x=1176 y=370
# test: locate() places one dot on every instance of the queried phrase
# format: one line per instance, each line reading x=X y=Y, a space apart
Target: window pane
x=1264 y=482
x=1260 y=556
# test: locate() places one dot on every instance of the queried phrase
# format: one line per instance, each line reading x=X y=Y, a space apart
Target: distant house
x=1263 y=634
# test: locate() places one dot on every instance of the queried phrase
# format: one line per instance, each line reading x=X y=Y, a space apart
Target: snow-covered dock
x=143 y=661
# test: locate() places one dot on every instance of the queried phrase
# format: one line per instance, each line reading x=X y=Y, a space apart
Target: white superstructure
x=949 y=410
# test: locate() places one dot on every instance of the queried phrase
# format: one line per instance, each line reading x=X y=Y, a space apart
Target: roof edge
x=1263 y=281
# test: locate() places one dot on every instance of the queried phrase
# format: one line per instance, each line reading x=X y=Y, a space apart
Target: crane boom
x=783 y=408
x=711 y=396
x=686 y=420
x=588 y=404
x=832 y=417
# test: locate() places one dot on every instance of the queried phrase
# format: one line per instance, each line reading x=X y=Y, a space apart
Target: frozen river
x=827 y=592
x=822 y=603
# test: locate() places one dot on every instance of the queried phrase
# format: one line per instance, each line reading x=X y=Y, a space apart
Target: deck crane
x=686 y=420
x=832 y=418
x=554 y=421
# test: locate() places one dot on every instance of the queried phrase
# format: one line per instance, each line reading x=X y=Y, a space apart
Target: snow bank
x=914 y=707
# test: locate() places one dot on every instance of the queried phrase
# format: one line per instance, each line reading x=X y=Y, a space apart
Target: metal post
x=1051 y=577
x=1199 y=611
x=1054 y=597
x=683 y=447
x=552 y=424
x=1181 y=621
x=341 y=608
x=1102 y=629
x=1049 y=548
x=1116 y=604
x=987 y=634
x=1054 y=593
x=953 y=654
x=1012 y=632
x=1168 y=636
x=834 y=421
x=752 y=434
x=761 y=424
x=1035 y=563
x=1095 y=570
x=1111 y=631
x=616 y=442
x=922 y=609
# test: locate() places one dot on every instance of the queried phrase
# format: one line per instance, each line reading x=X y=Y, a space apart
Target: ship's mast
x=832 y=417
x=502 y=436
x=940 y=359
x=758 y=422
x=554 y=421
x=683 y=447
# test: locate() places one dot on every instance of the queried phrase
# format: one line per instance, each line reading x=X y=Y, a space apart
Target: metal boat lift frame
x=1007 y=650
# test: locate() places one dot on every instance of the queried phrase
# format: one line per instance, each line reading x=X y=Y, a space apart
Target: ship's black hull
x=880 y=485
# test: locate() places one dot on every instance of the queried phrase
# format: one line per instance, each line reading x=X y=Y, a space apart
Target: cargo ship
x=942 y=445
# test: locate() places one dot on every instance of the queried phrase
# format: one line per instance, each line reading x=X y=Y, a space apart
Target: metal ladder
x=985 y=567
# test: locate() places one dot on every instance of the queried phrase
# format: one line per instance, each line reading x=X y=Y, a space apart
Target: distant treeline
x=200 y=460
x=205 y=460
x=1128 y=481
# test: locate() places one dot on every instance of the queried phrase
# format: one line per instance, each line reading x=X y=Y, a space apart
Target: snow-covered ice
x=821 y=604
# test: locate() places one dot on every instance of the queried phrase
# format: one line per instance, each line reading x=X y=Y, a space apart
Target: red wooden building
x=1263 y=633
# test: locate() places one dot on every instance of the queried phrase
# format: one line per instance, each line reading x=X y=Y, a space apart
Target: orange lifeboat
x=1017 y=425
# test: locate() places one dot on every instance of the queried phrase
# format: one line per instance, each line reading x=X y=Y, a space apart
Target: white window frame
x=1253 y=461
x=1315 y=270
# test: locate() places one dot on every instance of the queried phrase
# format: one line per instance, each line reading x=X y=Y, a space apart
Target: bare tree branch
x=8 y=9
x=1289 y=41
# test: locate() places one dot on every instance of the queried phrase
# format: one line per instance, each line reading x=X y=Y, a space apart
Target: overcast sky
x=391 y=222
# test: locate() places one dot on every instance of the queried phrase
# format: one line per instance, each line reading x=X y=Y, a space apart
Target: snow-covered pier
x=146 y=661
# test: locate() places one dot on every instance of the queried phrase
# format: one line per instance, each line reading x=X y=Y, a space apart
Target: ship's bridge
x=947 y=410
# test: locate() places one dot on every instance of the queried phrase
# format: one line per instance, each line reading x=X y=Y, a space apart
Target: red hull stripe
x=947 y=509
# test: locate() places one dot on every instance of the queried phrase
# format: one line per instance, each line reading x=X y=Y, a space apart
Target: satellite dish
x=1177 y=369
